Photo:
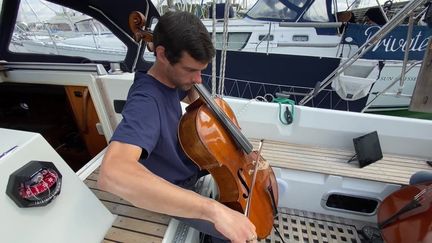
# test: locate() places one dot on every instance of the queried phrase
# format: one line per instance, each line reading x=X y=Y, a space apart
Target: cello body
x=205 y=140
x=412 y=227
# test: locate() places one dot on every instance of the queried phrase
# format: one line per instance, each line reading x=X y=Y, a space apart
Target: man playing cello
x=144 y=163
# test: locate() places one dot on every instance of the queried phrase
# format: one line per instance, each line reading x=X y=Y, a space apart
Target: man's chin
x=186 y=87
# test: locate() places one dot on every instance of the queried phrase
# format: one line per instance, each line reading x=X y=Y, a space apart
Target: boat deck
x=391 y=169
x=132 y=224
x=138 y=225
x=298 y=226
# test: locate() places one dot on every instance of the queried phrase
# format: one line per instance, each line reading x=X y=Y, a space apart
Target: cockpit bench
x=391 y=169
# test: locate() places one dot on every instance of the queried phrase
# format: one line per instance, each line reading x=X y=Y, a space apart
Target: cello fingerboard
x=233 y=130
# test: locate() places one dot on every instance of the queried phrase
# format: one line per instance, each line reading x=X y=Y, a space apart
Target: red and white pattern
x=45 y=180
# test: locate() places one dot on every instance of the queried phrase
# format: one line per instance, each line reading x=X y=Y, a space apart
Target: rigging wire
x=214 y=44
x=224 y=49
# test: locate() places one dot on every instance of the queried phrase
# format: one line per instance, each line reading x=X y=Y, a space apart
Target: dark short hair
x=183 y=31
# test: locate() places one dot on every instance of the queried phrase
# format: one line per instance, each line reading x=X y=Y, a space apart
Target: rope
x=214 y=44
x=289 y=115
x=258 y=99
x=224 y=48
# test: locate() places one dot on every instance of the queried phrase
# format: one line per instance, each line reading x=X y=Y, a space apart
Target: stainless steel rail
x=395 y=21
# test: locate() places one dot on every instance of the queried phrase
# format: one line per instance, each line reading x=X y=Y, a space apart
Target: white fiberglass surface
x=334 y=129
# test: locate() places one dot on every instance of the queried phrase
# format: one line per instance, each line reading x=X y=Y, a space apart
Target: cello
x=405 y=216
x=209 y=135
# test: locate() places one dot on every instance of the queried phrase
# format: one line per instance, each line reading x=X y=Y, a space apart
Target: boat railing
x=368 y=45
x=266 y=38
x=397 y=79
x=264 y=91
x=408 y=44
x=45 y=26
x=311 y=24
x=336 y=44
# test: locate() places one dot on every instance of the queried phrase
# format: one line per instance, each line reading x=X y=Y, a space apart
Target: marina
x=315 y=38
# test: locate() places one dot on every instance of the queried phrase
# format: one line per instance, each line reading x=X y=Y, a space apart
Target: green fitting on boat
x=289 y=115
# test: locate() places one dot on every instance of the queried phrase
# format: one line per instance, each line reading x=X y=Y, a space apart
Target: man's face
x=185 y=73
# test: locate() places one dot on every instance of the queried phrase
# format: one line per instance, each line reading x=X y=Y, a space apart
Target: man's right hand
x=232 y=224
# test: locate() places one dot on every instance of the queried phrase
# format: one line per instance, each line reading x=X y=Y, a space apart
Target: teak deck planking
x=132 y=224
x=391 y=169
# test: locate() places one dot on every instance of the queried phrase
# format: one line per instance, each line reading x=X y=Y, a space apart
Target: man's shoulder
x=142 y=76
x=144 y=83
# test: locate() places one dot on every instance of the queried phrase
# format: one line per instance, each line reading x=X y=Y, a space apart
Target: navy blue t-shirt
x=150 y=120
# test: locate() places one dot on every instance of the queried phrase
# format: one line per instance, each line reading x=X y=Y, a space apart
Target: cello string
x=425 y=194
x=416 y=202
x=242 y=141
x=420 y=195
x=248 y=202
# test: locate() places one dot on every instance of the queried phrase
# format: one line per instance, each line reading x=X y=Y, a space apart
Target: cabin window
x=351 y=203
x=271 y=9
x=265 y=37
x=46 y=28
x=317 y=12
x=300 y=38
x=236 y=40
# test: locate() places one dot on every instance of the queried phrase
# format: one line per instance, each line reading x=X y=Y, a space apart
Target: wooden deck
x=137 y=225
x=132 y=224
x=392 y=168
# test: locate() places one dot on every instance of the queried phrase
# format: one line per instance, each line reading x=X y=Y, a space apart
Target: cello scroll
x=137 y=23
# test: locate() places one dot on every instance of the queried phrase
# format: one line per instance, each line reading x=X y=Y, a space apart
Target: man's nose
x=197 y=78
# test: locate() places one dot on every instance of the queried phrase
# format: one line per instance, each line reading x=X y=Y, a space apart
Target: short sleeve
x=182 y=94
x=141 y=123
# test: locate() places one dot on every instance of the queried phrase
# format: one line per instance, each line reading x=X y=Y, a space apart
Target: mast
x=421 y=100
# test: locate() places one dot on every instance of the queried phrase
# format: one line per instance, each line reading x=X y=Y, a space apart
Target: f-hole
x=243 y=182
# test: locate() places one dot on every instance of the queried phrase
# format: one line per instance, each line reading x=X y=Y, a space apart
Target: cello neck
x=241 y=141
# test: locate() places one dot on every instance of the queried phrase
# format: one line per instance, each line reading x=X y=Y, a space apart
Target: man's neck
x=156 y=72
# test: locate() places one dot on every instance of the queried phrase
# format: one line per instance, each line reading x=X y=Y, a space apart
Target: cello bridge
x=262 y=165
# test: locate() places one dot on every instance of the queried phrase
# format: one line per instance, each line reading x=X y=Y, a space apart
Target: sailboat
x=287 y=38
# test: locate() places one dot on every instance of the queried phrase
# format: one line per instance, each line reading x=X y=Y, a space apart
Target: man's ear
x=160 y=54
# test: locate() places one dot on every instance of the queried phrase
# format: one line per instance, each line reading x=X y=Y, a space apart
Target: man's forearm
x=146 y=190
